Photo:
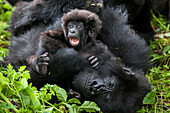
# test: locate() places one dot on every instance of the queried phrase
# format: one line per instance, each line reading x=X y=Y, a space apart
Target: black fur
x=128 y=85
x=116 y=86
x=13 y=2
x=44 y=12
x=139 y=16
x=111 y=88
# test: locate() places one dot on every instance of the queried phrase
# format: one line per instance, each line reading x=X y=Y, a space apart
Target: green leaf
x=48 y=110
x=69 y=107
x=3 y=81
x=26 y=74
x=24 y=82
x=25 y=97
x=3 y=26
x=74 y=100
x=167 y=34
x=35 y=101
x=22 y=68
x=160 y=36
x=61 y=93
x=10 y=66
x=166 y=49
x=149 y=98
x=7 y=6
x=89 y=107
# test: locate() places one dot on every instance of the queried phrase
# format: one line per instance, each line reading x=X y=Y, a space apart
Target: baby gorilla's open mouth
x=74 y=41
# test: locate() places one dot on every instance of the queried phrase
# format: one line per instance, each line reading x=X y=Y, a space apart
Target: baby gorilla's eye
x=70 y=26
x=79 y=26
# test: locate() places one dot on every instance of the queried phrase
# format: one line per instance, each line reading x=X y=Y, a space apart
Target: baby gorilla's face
x=76 y=33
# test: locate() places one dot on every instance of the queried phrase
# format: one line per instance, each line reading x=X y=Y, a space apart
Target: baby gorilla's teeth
x=74 y=41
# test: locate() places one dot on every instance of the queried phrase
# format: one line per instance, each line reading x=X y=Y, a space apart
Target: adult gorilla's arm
x=122 y=40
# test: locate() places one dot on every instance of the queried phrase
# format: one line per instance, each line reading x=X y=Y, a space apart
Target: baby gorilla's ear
x=92 y=33
x=94 y=24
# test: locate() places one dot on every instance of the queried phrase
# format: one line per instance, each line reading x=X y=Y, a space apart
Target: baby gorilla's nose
x=72 y=31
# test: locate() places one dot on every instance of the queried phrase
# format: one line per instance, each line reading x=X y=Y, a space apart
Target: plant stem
x=58 y=111
x=158 y=20
x=19 y=96
x=9 y=103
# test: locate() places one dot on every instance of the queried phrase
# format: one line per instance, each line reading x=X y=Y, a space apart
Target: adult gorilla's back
x=41 y=13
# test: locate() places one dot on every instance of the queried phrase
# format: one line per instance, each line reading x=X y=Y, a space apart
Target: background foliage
x=16 y=95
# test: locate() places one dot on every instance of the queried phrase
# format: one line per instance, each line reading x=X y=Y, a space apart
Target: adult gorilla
x=44 y=13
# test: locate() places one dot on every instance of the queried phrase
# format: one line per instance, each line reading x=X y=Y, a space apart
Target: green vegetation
x=158 y=101
x=19 y=96
x=16 y=95
x=5 y=14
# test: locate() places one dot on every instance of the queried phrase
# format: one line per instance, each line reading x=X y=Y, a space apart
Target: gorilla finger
x=43 y=63
x=94 y=60
x=91 y=57
x=44 y=59
x=95 y=65
x=44 y=55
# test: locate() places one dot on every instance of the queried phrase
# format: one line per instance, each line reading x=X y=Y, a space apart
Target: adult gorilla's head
x=79 y=26
x=113 y=87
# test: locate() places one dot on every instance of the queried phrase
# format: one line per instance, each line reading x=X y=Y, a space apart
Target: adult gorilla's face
x=101 y=83
x=94 y=87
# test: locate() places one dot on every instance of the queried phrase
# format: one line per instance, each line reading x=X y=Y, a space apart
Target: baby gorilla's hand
x=94 y=61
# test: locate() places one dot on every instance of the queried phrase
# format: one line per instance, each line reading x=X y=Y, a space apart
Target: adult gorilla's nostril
x=94 y=82
x=96 y=86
